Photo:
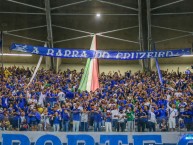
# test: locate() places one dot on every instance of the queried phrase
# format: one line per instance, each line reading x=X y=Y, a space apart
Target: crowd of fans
x=129 y=102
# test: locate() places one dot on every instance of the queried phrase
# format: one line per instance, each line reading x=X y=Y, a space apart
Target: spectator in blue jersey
x=34 y=118
x=76 y=117
x=65 y=117
x=108 y=121
x=162 y=114
x=15 y=120
x=187 y=72
x=5 y=101
x=52 y=95
x=97 y=119
x=188 y=116
x=182 y=105
x=56 y=121
x=141 y=120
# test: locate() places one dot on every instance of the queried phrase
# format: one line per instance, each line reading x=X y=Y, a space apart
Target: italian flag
x=90 y=78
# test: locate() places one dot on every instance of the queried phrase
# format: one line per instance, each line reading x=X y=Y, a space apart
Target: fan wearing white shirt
x=42 y=98
x=151 y=119
x=173 y=113
x=115 y=113
x=32 y=102
x=61 y=97
x=121 y=121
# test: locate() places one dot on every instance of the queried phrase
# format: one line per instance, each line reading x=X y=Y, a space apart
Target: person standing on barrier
x=141 y=120
x=130 y=115
x=173 y=113
x=187 y=115
x=76 y=118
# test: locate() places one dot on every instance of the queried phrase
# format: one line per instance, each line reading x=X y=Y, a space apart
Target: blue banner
x=100 y=54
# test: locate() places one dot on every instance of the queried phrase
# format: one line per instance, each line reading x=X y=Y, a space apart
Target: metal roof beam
x=178 y=13
x=165 y=5
x=115 y=38
x=23 y=29
x=177 y=30
x=174 y=38
x=28 y=5
x=28 y=38
x=66 y=5
x=62 y=27
x=111 y=31
x=22 y=13
x=70 y=39
x=127 y=7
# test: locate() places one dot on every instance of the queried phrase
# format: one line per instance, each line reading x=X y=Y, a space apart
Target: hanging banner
x=100 y=54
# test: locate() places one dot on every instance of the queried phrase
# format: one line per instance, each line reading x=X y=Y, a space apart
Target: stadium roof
x=171 y=23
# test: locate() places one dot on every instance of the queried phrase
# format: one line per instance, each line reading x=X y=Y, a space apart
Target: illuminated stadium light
x=12 y=54
x=98 y=14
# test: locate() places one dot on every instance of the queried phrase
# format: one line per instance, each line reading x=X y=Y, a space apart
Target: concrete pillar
x=145 y=30
x=58 y=63
x=48 y=62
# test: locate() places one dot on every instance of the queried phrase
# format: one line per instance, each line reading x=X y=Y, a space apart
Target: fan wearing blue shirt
x=162 y=114
x=34 y=117
x=76 y=118
x=66 y=118
x=56 y=121
x=141 y=120
x=187 y=114
x=97 y=119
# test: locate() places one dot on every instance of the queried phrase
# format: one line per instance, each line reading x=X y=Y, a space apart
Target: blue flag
x=158 y=69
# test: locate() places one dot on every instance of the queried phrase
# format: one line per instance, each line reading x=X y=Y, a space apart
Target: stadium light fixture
x=98 y=15
x=12 y=54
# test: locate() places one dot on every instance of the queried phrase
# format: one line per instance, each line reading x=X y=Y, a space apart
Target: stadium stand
x=123 y=103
